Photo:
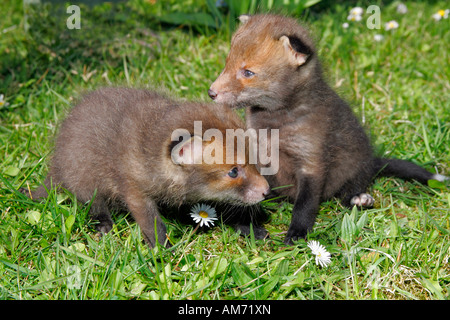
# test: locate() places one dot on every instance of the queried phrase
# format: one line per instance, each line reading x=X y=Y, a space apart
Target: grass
x=399 y=87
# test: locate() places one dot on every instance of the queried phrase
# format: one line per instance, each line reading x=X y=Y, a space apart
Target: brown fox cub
x=273 y=71
x=137 y=148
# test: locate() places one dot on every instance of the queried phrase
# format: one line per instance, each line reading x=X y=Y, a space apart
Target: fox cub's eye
x=233 y=173
x=248 y=73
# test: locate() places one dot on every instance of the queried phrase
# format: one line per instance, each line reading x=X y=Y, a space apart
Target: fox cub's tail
x=405 y=170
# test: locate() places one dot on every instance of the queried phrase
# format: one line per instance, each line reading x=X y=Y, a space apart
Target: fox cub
x=122 y=145
x=273 y=71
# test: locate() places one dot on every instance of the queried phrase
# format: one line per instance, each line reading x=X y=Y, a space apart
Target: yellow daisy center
x=203 y=214
x=441 y=13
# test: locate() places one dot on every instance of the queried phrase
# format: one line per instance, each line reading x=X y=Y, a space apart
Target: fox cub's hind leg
x=100 y=211
x=362 y=200
x=353 y=193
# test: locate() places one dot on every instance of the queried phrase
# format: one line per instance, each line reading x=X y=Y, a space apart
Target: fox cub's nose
x=212 y=94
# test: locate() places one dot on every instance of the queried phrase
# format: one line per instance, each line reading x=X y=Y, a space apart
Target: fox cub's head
x=271 y=57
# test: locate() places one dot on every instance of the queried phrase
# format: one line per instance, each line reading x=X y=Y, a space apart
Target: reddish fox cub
x=137 y=149
x=273 y=71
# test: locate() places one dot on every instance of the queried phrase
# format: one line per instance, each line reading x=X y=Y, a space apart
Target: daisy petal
x=323 y=257
x=203 y=214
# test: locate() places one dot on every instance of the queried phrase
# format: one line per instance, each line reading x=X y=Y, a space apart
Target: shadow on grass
x=49 y=49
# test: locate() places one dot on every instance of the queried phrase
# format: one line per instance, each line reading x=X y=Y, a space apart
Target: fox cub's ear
x=243 y=18
x=298 y=52
x=188 y=152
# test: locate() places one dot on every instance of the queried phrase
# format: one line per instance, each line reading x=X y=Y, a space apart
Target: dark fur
x=324 y=151
x=117 y=142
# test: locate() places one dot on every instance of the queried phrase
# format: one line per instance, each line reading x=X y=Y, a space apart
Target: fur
x=117 y=143
x=273 y=71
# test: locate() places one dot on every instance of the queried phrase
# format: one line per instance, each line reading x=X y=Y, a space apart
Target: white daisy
x=378 y=37
x=357 y=11
x=441 y=14
x=354 y=17
x=323 y=257
x=345 y=25
x=391 y=25
x=401 y=8
x=3 y=103
x=203 y=214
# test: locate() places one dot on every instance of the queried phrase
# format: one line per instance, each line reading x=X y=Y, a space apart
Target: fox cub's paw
x=362 y=200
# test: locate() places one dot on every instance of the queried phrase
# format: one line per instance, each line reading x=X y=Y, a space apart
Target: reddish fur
x=117 y=142
x=323 y=150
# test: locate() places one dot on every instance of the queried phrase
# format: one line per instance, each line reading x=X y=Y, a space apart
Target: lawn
x=398 y=86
